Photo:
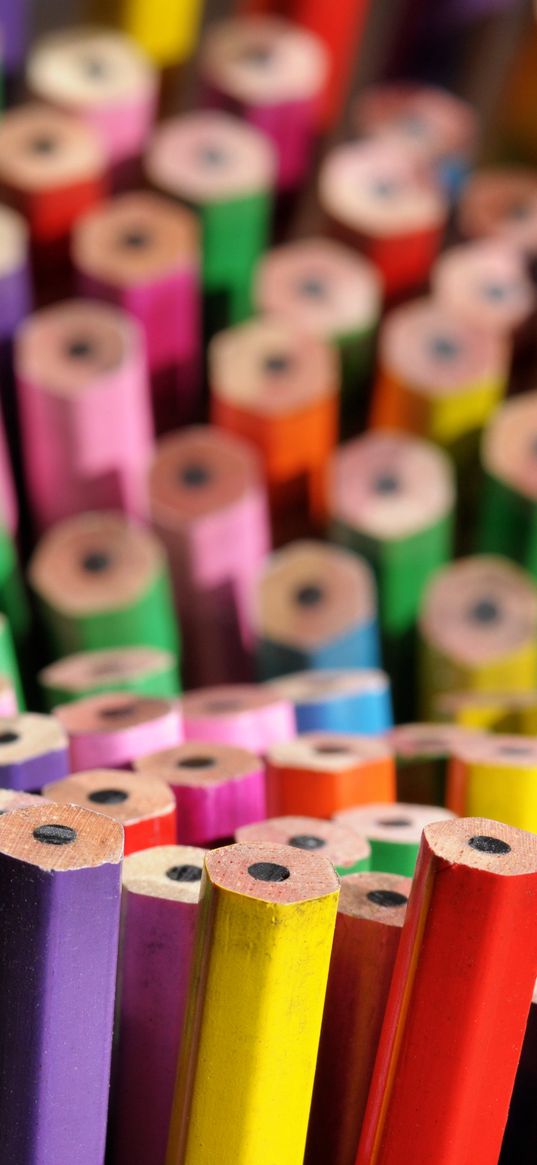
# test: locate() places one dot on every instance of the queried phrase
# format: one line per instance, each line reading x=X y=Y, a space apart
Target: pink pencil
x=243 y=715
x=110 y=731
x=85 y=411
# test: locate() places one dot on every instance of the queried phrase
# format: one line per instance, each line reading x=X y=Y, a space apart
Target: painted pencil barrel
x=100 y=581
x=371 y=912
x=15 y=283
x=51 y=168
x=357 y=700
x=207 y=498
x=101 y=77
x=8 y=697
x=243 y=715
x=319 y=773
x=347 y=852
x=432 y=125
x=501 y=204
x=390 y=498
x=278 y=388
x=520 y=1137
x=393 y=832
x=33 y=751
x=270 y=72
x=110 y=731
x=487 y=282
x=167 y=31
x=435 y=1039
x=496 y=775
x=217 y=788
x=254 y=1016
x=508 y=512
x=85 y=411
x=327 y=289
x=142 y=253
x=314 y=606
x=511 y=712
x=478 y=627
x=14 y=23
x=438 y=375
x=145 y=808
x=9 y=665
x=159 y=911
x=423 y=754
x=375 y=198
x=60 y=879
x=340 y=28
x=145 y=671
x=13 y=597
x=225 y=169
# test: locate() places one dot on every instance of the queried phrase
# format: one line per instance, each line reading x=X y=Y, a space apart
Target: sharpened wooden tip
x=76 y=673
x=111 y=713
x=29 y=735
x=42 y=148
x=342 y=846
x=97 y=839
x=329 y=752
x=227 y=469
x=397 y=822
x=515 y=851
x=127 y=797
x=310 y=593
x=207 y=157
x=198 y=763
x=375 y=897
x=58 y=572
x=148 y=872
x=102 y=239
x=263 y=60
x=309 y=875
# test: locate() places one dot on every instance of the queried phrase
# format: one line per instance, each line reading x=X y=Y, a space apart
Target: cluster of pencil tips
x=268 y=583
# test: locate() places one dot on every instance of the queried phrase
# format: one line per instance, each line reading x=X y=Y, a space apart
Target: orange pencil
x=321 y=773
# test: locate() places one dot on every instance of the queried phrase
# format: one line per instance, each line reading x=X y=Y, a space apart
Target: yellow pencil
x=166 y=29
x=246 y=1068
x=496 y=776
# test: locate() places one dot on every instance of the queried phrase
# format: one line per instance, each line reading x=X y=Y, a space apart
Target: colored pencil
x=509 y=495
x=357 y=700
x=375 y=198
x=321 y=773
x=496 y=775
x=145 y=671
x=101 y=581
x=207 y=498
x=393 y=832
x=111 y=730
x=478 y=629
x=81 y=379
x=243 y=715
x=60 y=880
x=278 y=388
x=33 y=750
x=225 y=169
x=159 y=911
x=314 y=606
x=145 y=808
x=452 y=975
x=371 y=912
x=423 y=754
x=487 y=281
x=253 y=1016
x=217 y=788
x=343 y=847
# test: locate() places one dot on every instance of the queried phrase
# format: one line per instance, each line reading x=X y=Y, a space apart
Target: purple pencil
x=14 y=31
x=160 y=902
x=33 y=752
x=60 y=876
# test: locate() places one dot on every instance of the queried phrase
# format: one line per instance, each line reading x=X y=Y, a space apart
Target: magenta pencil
x=33 y=751
x=110 y=731
x=85 y=411
x=60 y=878
x=142 y=253
x=243 y=715
x=160 y=901
x=8 y=697
x=217 y=788
x=271 y=72
x=208 y=499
